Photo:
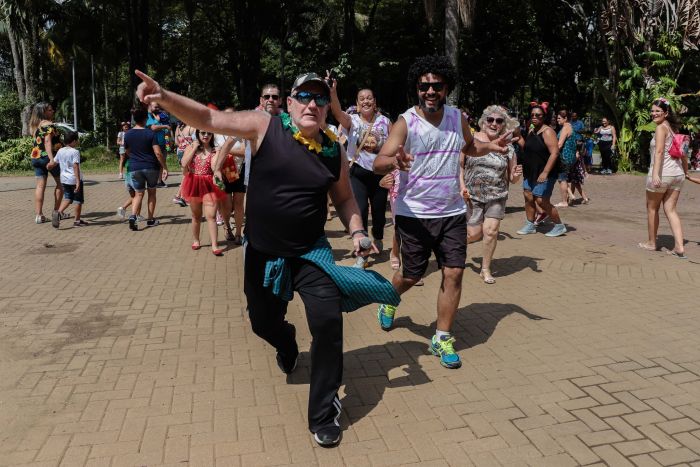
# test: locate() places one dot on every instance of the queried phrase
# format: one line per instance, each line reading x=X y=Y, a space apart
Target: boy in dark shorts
x=68 y=158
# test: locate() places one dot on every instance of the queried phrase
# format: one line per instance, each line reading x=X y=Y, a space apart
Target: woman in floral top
x=47 y=141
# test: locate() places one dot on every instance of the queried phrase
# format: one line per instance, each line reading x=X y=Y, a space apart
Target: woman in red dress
x=199 y=189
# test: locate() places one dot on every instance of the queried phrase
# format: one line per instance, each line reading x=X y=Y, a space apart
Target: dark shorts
x=40 y=169
x=73 y=196
x=127 y=183
x=236 y=187
x=541 y=190
x=444 y=236
x=144 y=179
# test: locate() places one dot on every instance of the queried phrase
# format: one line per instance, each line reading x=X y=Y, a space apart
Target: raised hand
x=332 y=82
x=149 y=90
x=403 y=159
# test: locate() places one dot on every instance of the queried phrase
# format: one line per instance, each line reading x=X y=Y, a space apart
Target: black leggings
x=321 y=299
x=365 y=186
x=605 y=154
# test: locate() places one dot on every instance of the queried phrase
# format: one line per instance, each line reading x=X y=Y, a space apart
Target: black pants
x=365 y=186
x=605 y=154
x=321 y=298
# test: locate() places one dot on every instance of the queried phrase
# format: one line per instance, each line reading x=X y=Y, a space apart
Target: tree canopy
x=593 y=56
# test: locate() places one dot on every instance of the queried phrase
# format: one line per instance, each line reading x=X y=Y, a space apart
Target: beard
x=440 y=104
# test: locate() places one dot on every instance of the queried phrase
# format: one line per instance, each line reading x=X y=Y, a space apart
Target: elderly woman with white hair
x=485 y=183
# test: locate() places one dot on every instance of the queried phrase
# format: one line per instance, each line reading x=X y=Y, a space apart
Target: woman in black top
x=540 y=168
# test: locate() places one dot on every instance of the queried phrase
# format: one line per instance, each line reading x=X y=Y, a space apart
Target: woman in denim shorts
x=47 y=141
x=665 y=178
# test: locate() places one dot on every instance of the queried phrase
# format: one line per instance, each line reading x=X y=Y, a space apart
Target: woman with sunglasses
x=485 y=183
x=198 y=187
x=540 y=169
x=368 y=130
x=665 y=178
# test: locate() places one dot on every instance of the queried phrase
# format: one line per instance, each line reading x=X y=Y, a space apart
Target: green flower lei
x=329 y=146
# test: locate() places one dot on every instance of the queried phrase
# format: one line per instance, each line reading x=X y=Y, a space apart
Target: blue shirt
x=160 y=134
x=577 y=126
x=139 y=142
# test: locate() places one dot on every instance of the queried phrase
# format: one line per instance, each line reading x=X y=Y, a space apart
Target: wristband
x=362 y=231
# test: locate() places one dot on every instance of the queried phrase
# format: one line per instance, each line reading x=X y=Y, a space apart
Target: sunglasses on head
x=305 y=97
x=267 y=97
x=498 y=120
x=425 y=87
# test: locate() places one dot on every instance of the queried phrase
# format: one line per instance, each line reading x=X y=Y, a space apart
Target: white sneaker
x=121 y=212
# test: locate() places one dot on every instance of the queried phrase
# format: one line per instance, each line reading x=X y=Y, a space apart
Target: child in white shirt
x=72 y=180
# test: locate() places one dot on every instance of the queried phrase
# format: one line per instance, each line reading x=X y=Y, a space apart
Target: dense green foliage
x=14 y=154
x=221 y=51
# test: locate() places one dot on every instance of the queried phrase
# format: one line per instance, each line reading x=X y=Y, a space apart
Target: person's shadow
x=368 y=372
x=506 y=266
x=473 y=325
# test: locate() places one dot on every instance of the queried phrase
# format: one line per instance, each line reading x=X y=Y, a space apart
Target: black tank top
x=535 y=157
x=286 y=203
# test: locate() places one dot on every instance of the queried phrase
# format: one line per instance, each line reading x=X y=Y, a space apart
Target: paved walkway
x=122 y=348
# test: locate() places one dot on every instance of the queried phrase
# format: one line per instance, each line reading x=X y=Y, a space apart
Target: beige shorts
x=667 y=183
x=495 y=209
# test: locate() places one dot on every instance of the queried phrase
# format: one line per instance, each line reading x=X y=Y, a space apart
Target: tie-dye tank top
x=430 y=189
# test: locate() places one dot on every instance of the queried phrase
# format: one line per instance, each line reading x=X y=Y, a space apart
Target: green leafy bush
x=89 y=140
x=14 y=154
x=96 y=154
x=10 y=108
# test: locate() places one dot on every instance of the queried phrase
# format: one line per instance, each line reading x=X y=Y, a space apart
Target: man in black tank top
x=294 y=167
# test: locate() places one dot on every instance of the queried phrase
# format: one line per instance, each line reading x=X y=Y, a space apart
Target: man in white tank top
x=425 y=144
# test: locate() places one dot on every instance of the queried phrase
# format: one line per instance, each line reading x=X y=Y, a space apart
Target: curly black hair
x=435 y=64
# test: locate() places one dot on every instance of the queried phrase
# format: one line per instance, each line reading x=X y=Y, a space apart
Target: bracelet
x=362 y=231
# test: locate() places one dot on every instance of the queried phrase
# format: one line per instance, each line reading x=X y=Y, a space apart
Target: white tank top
x=430 y=189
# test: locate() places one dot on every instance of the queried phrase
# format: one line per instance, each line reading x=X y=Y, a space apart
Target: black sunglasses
x=537 y=115
x=498 y=120
x=305 y=97
x=205 y=133
x=437 y=86
x=267 y=97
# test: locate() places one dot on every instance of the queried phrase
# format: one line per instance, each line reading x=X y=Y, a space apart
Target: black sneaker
x=161 y=184
x=328 y=436
x=132 y=223
x=152 y=222
x=288 y=363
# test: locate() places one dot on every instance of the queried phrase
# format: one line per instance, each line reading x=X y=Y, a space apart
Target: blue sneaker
x=385 y=316
x=557 y=230
x=444 y=349
x=528 y=228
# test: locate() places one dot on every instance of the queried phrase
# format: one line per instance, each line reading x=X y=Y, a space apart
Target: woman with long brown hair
x=665 y=178
x=47 y=141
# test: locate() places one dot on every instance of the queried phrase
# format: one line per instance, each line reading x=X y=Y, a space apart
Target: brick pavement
x=121 y=348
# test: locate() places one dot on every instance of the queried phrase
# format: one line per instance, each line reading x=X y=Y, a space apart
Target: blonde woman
x=485 y=182
x=47 y=141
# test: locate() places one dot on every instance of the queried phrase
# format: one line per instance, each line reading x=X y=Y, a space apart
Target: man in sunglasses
x=425 y=145
x=270 y=99
x=295 y=166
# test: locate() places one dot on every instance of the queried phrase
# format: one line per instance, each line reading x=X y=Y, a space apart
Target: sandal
x=485 y=274
x=196 y=246
x=678 y=254
x=395 y=262
x=218 y=252
x=229 y=235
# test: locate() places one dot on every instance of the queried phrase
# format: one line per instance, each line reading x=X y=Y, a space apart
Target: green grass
x=96 y=166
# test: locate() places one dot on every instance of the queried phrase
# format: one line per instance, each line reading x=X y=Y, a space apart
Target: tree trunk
x=17 y=60
x=138 y=38
x=349 y=26
x=452 y=42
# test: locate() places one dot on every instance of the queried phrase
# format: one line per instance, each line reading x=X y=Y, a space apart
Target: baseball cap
x=310 y=77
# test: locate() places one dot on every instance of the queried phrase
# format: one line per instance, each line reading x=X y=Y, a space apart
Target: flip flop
x=678 y=255
x=487 y=280
x=644 y=246
x=561 y=205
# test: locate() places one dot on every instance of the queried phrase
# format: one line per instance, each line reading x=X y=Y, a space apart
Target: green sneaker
x=385 y=316
x=443 y=348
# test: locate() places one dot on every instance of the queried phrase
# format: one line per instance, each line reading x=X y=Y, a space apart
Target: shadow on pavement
x=474 y=323
x=369 y=371
x=502 y=267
